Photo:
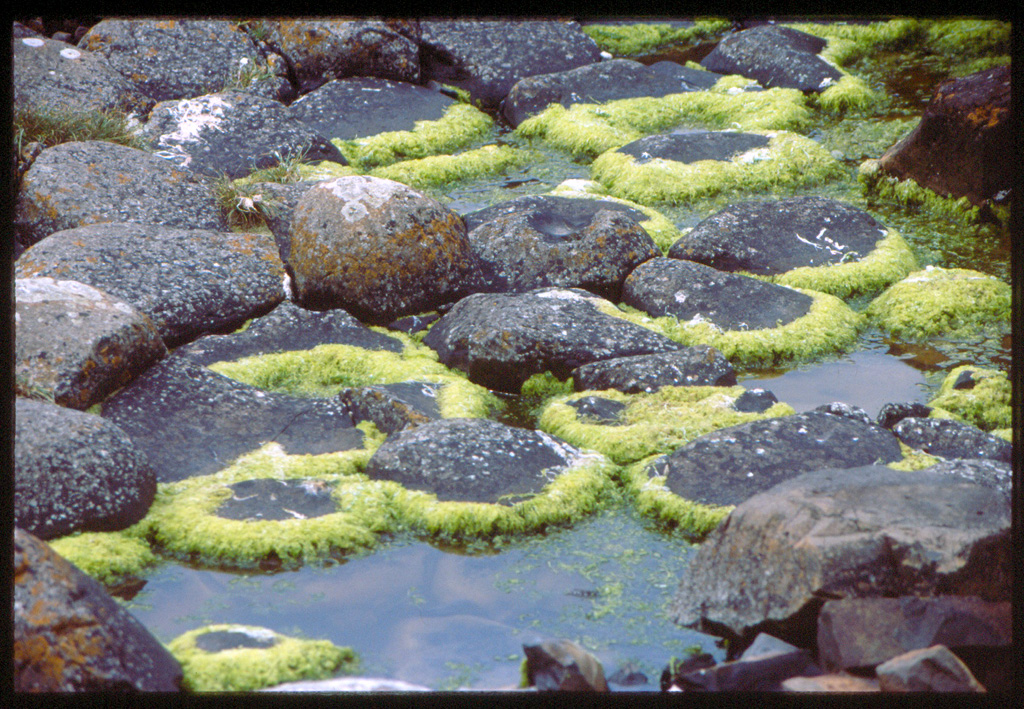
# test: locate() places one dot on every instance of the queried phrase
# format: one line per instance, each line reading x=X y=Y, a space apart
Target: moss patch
x=440 y=170
x=109 y=557
x=642 y=37
x=849 y=42
x=940 y=301
x=653 y=499
x=850 y=93
x=986 y=405
x=908 y=193
x=913 y=459
x=655 y=423
x=787 y=160
x=244 y=669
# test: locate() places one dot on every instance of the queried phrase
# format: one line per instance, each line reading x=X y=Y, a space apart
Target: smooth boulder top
x=772 y=237
x=693 y=146
x=699 y=365
x=952 y=439
x=775 y=57
x=552 y=215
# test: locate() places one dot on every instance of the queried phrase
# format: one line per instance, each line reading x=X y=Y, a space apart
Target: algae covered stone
x=981 y=397
x=239 y=658
x=111 y=558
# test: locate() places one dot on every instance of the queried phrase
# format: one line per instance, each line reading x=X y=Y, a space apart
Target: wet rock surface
x=693 y=146
x=267 y=498
x=952 y=439
x=562 y=665
x=699 y=365
x=774 y=56
x=392 y=407
x=933 y=669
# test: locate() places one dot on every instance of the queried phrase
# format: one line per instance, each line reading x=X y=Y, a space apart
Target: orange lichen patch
x=166 y=24
x=987 y=116
x=123 y=179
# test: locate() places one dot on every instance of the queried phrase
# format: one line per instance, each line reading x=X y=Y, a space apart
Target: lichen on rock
x=978 y=396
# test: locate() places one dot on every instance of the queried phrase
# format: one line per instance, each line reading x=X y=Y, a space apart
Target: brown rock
x=841 y=682
x=931 y=669
x=563 y=665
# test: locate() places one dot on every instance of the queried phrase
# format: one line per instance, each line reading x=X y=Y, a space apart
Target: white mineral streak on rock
x=361 y=193
x=679 y=297
x=193 y=116
x=43 y=289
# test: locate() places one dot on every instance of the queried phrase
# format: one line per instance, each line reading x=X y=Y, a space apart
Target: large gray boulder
x=774 y=57
x=699 y=365
x=952 y=439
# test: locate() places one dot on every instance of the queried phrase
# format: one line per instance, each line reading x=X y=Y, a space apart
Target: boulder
x=393 y=407
x=699 y=365
x=755 y=400
x=960 y=146
x=840 y=408
x=849 y=533
x=539 y=241
x=931 y=669
x=764 y=673
x=595 y=410
x=598 y=83
x=188 y=281
x=375 y=247
x=687 y=290
x=74 y=471
x=75 y=344
x=775 y=57
x=562 y=665
x=232 y=133
x=501 y=340
x=95 y=182
x=191 y=421
x=983 y=471
x=487 y=57
x=838 y=682
x=730 y=465
x=70 y=636
x=693 y=146
x=892 y=413
x=952 y=439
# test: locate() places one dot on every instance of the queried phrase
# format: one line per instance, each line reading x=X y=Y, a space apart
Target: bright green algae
x=642 y=37
x=109 y=557
x=986 y=405
x=441 y=170
x=654 y=500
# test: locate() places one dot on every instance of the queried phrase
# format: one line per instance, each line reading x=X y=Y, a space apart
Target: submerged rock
x=774 y=56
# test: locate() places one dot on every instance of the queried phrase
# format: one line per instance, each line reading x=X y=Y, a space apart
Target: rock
x=540 y=241
x=69 y=635
x=287 y=328
x=755 y=401
x=475 y=460
x=850 y=533
x=76 y=344
x=348 y=684
x=839 y=408
x=775 y=57
x=393 y=407
x=859 y=633
x=952 y=439
x=594 y=409
x=598 y=83
x=74 y=471
x=188 y=281
x=94 y=182
x=191 y=421
x=319 y=51
x=699 y=365
x=840 y=682
x=765 y=644
x=990 y=473
x=487 y=57
x=673 y=674
x=932 y=669
x=232 y=133
x=501 y=340
x=48 y=73
x=562 y=665
x=693 y=146
x=629 y=675
x=891 y=414
x=959 y=147
x=764 y=673
x=687 y=290
x=978 y=396
x=375 y=247
x=170 y=59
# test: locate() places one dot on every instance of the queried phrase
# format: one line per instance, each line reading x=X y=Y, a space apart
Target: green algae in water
x=111 y=558
x=643 y=37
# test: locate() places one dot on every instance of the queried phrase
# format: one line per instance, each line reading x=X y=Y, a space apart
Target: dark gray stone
x=983 y=471
x=218 y=640
x=772 y=237
x=755 y=401
x=392 y=407
x=891 y=414
x=685 y=289
x=952 y=439
x=693 y=146
x=501 y=340
x=74 y=471
x=775 y=57
x=839 y=408
x=594 y=409
x=728 y=466
x=275 y=499
x=764 y=673
x=562 y=665
x=699 y=365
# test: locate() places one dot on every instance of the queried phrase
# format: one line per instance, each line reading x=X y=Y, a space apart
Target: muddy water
x=453 y=618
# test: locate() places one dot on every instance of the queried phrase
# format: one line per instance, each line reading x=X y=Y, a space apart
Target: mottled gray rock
x=487 y=57
x=932 y=669
x=94 y=182
x=891 y=414
x=172 y=58
x=278 y=202
x=70 y=636
x=191 y=421
x=952 y=439
x=840 y=408
x=594 y=409
x=764 y=673
x=473 y=460
x=275 y=499
x=597 y=83
x=685 y=290
x=991 y=473
x=393 y=407
x=540 y=241
x=74 y=471
x=755 y=401
x=76 y=344
x=48 y=74
x=728 y=466
x=562 y=665
x=771 y=237
x=501 y=340
x=852 y=533
x=188 y=281
x=375 y=247
x=693 y=146
x=232 y=133
x=699 y=365
x=775 y=57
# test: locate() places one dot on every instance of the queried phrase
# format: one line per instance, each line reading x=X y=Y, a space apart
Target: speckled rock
x=892 y=413
x=474 y=460
x=74 y=471
x=562 y=665
x=393 y=407
x=77 y=344
x=48 y=73
x=983 y=471
x=849 y=533
x=687 y=290
x=502 y=340
x=699 y=365
x=94 y=182
x=232 y=133
x=932 y=669
x=487 y=57
x=188 y=281
x=693 y=146
x=730 y=465
x=70 y=636
x=597 y=83
x=774 y=56
x=952 y=439
x=375 y=247
x=841 y=408
x=539 y=241
x=191 y=421
x=172 y=58
x=319 y=51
